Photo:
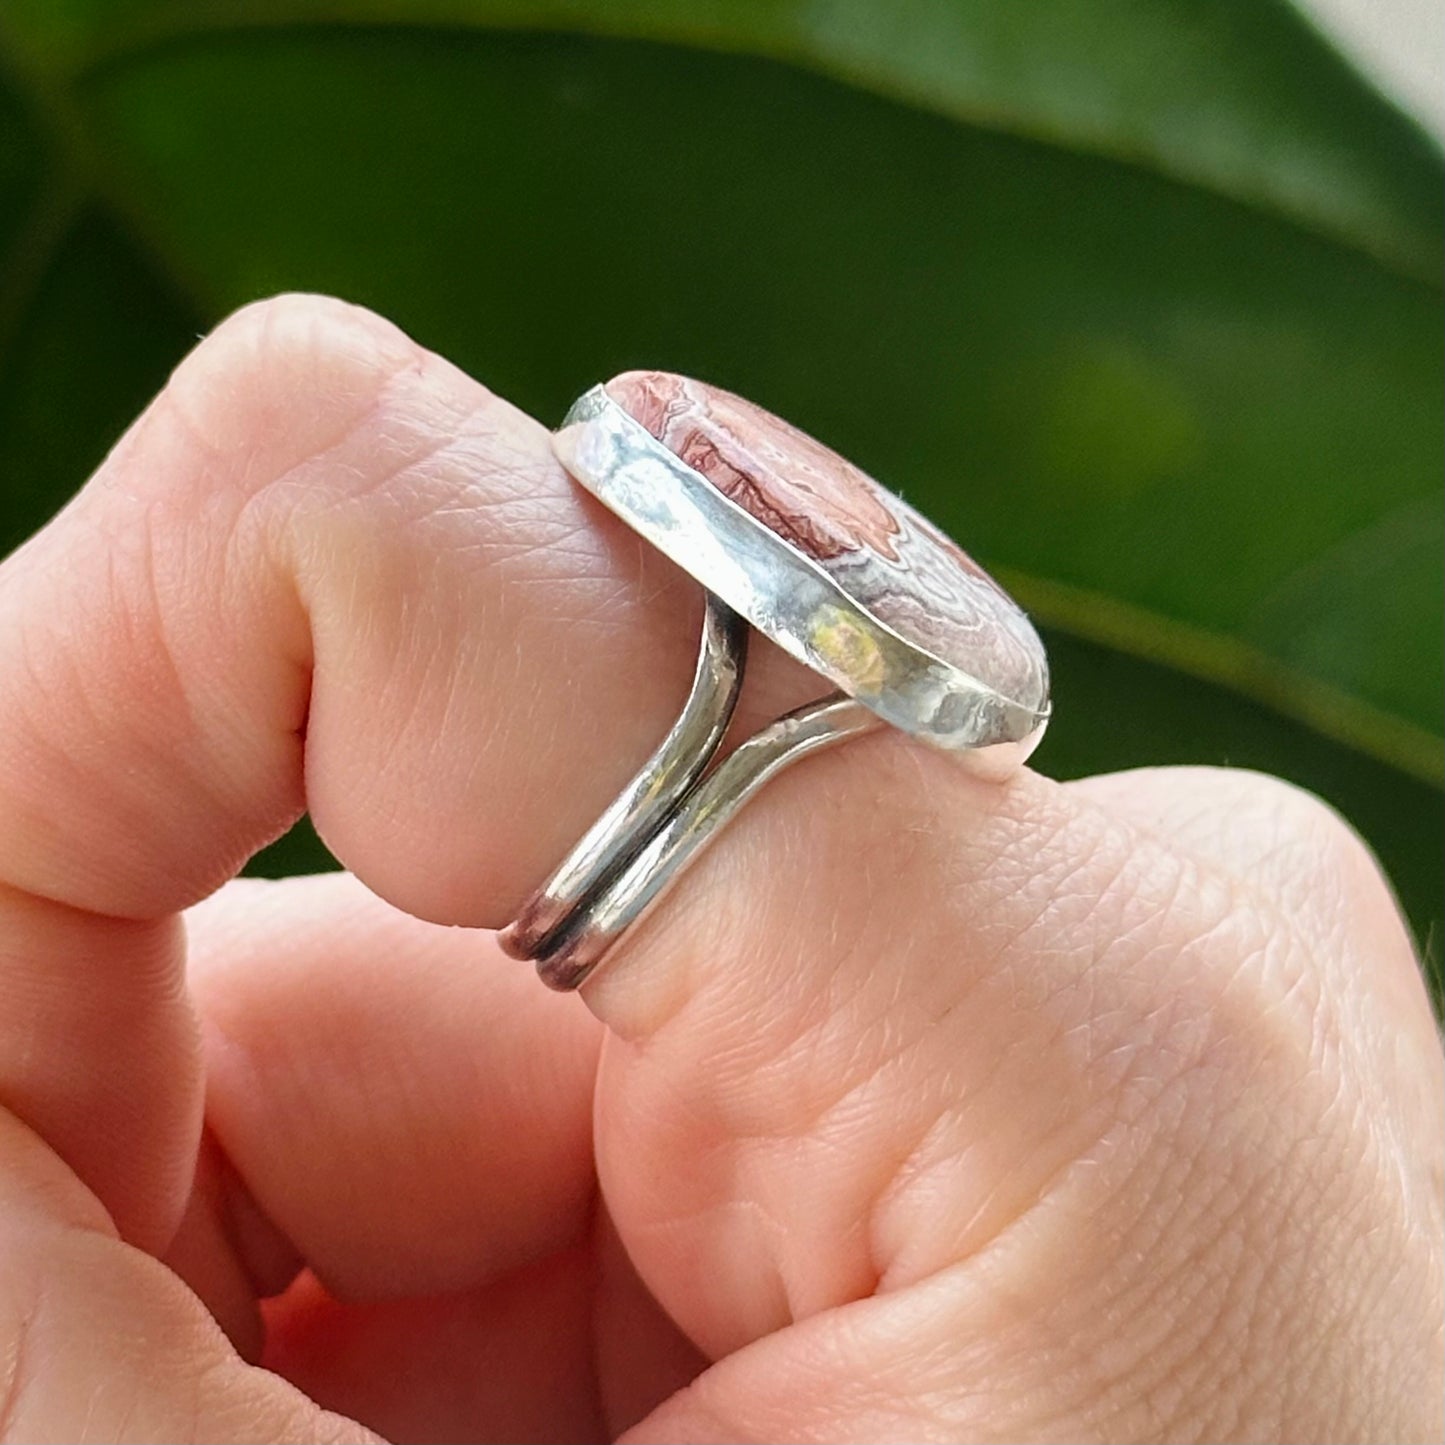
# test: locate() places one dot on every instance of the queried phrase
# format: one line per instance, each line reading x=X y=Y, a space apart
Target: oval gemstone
x=889 y=558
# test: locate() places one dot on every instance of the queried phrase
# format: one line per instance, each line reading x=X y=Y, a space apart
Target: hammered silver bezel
x=787 y=596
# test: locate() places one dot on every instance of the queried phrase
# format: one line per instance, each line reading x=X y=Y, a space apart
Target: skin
x=926 y=1109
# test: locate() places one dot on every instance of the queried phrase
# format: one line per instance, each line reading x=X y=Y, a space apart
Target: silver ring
x=789 y=537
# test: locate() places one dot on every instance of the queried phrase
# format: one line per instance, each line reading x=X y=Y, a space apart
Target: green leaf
x=1137 y=299
x=1239 y=96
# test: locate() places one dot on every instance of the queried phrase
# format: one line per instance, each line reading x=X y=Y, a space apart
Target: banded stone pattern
x=891 y=560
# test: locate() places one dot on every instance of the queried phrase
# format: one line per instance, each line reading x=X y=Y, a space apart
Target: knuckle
x=303 y=328
x=284 y=379
x=1279 y=846
x=1297 y=812
x=1317 y=845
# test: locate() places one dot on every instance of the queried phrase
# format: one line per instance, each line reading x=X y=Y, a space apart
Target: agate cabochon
x=880 y=551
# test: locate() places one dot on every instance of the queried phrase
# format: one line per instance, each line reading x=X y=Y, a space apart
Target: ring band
x=789 y=537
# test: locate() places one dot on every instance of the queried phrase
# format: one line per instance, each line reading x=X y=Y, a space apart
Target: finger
x=407 y=1112
x=565 y=1348
x=99 y=1052
x=1299 y=862
x=404 y=1105
x=299 y=539
x=100 y=1341
x=228 y=1252
x=512 y=1362
x=318 y=531
x=1294 y=852
x=903 y=1027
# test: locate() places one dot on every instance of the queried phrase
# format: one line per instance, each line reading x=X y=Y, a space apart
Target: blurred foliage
x=1139 y=300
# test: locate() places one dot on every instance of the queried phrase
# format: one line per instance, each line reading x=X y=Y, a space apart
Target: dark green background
x=1140 y=301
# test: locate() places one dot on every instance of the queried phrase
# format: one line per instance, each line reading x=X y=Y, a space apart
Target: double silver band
x=670 y=811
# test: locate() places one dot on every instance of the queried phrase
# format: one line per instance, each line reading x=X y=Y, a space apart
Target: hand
x=925 y=1109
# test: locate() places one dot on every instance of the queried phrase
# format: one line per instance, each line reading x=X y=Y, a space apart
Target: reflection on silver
x=671 y=809
x=644 y=805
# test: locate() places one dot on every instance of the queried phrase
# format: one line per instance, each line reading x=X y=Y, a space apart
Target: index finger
x=324 y=569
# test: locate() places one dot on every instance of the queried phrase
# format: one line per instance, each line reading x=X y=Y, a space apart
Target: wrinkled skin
x=927 y=1109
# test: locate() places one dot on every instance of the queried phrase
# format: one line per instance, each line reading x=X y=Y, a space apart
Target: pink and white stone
x=892 y=561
